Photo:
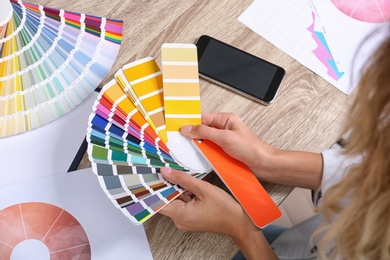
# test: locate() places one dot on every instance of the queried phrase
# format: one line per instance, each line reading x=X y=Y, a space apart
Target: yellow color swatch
x=143 y=81
x=181 y=85
x=114 y=92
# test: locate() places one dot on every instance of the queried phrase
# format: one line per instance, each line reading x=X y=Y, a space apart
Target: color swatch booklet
x=50 y=61
x=134 y=131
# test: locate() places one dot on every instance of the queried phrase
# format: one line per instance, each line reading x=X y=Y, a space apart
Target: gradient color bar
x=182 y=101
x=181 y=85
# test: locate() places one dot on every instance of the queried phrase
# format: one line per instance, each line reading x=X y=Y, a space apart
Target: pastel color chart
x=127 y=142
x=50 y=61
x=181 y=100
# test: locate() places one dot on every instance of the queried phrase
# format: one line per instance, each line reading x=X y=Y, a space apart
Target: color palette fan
x=134 y=131
x=50 y=61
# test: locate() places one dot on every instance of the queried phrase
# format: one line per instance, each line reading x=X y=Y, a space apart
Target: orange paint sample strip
x=241 y=182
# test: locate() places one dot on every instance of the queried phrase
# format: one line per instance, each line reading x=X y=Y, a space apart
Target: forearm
x=254 y=245
x=294 y=168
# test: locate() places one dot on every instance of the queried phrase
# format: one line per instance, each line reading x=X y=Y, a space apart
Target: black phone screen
x=238 y=70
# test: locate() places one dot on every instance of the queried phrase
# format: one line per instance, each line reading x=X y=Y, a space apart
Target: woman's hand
x=207 y=208
x=236 y=139
x=204 y=207
x=294 y=168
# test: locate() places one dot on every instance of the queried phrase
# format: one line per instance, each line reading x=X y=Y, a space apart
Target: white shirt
x=297 y=242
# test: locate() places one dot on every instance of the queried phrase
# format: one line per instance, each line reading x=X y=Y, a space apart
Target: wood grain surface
x=308 y=113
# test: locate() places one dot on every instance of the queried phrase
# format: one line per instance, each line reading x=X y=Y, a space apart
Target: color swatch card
x=133 y=131
x=181 y=101
x=241 y=182
x=50 y=61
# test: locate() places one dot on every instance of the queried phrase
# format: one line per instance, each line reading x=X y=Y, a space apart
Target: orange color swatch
x=241 y=182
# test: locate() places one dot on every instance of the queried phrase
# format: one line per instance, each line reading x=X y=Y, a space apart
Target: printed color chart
x=66 y=216
x=129 y=134
x=50 y=61
x=35 y=227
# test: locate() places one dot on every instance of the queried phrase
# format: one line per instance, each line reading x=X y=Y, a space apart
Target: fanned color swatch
x=127 y=136
x=181 y=100
x=50 y=61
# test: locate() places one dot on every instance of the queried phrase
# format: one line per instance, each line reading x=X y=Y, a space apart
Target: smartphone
x=238 y=71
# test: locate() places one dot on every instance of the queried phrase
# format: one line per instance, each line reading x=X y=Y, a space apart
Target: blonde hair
x=357 y=210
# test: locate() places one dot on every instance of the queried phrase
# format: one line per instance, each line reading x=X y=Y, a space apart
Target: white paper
x=347 y=36
x=5 y=11
x=46 y=150
x=287 y=24
x=184 y=152
x=111 y=235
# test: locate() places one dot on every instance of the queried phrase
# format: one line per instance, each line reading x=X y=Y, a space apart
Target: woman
x=354 y=221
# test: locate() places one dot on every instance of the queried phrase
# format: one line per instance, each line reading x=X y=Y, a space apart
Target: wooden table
x=308 y=113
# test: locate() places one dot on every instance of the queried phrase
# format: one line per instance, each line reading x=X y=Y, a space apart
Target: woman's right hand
x=294 y=168
x=229 y=132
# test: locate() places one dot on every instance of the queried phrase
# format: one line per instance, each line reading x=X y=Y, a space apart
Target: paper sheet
x=316 y=34
x=47 y=150
x=110 y=234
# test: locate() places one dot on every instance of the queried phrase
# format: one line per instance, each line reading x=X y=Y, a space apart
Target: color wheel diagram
x=35 y=230
x=369 y=11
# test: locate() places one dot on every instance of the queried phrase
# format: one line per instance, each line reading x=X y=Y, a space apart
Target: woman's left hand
x=209 y=209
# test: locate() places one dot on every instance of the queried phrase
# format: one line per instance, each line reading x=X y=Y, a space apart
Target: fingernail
x=166 y=171
x=186 y=129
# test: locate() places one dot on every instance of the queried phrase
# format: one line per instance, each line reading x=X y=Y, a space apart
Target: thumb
x=204 y=132
x=184 y=180
x=172 y=209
